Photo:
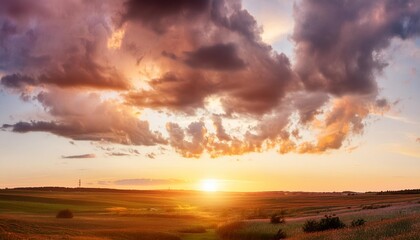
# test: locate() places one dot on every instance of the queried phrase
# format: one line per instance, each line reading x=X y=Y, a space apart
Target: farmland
x=194 y=215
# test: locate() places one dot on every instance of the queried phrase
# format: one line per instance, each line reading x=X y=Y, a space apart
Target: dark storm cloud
x=75 y=73
x=90 y=155
x=160 y=14
x=17 y=43
x=169 y=55
x=181 y=55
x=138 y=135
x=41 y=126
x=58 y=45
x=218 y=53
x=82 y=71
x=17 y=81
x=20 y=8
x=231 y=15
x=338 y=43
x=221 y=57
x=172 y=91
x=155 y=10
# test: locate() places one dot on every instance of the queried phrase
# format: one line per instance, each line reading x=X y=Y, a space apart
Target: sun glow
x=209 y=185
x=115 y=41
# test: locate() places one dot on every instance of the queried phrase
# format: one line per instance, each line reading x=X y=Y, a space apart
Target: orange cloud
x=71 y=61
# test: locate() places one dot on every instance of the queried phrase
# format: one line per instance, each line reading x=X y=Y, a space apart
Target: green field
x=192 y=215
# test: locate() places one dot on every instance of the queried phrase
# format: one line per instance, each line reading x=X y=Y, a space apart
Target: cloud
x=87 y=117
x=72 y=58
x=184 y=93
x=161 y=14
x=230 y=61
x=75 y=72
x=20 y=84
x=90 y=155
x=231 y=15
x=216 y=57
x=142 y=182
x=418 y=140
x=338 y=43
x=118 y=154
x=344 y=119
x=220 y=130
x=17 y=81
x=179 y=56
x=195 y=130
x=82 y=71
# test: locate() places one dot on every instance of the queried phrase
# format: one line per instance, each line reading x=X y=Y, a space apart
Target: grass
x=208 y=235
x=398 y=228
x=193 y=229
x=189 y=215
x=240 y=230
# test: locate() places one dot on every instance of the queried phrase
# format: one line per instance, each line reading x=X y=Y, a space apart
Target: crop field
x=193 y=215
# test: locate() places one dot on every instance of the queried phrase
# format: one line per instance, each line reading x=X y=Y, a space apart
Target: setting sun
x=209 y=185
x=209 y=119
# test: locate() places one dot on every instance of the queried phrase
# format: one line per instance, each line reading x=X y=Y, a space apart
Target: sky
x=210 y=94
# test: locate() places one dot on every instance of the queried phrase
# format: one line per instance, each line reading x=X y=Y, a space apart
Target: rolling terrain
x=124 y=214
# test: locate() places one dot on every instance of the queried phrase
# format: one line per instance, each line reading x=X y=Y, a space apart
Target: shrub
x=376 y=206
x=311 y=226
x=276 y=218
x=66 y=213
x=280 y=235
x=358 y=222
x=329 y=222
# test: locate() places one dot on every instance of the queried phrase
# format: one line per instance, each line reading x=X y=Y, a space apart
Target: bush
x=66 y=213
x=329 y=222
x=276 y=218
x=376 y=206
x=311 y=226
x=358 y=222
x=280 y=235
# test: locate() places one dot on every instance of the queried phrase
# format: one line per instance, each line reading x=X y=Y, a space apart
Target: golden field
x=193 y=215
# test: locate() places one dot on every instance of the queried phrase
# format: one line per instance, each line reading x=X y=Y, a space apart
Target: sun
x=209 y=185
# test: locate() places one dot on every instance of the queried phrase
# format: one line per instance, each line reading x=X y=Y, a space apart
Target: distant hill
x=82 y=189
x=68 y=189
x=406 y=191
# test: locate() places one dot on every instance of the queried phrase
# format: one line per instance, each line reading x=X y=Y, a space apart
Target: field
x=192 y=215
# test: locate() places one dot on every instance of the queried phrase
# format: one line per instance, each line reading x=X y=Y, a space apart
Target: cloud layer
x=89 y=155
x=142 y=182
x=96 y=66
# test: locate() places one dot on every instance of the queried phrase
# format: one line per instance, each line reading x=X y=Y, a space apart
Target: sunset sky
x=247 y=95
